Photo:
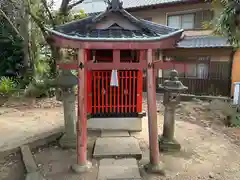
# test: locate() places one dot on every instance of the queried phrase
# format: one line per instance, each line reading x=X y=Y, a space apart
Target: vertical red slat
x=126 y=91
x=134 y=90
x=139 y=90
x=99 y=91
x=142 y=56
x=122 y=91
x=106 y=78
x=130 y=91
x=95 y=92
x=103 y=90
x=111 y=95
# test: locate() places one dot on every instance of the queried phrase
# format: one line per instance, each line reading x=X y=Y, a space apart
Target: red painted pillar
x=82 y=111
x=152 y=111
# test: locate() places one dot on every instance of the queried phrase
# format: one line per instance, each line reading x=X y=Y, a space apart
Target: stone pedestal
x=69 y=138
x=166 y=141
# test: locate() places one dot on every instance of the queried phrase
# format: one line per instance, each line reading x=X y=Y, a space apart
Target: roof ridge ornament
x=114 y=5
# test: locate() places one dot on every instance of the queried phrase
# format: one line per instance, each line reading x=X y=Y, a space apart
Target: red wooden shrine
x=110 y=101
x=115 y=40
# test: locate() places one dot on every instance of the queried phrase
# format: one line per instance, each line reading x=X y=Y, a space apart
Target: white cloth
x=114 y=78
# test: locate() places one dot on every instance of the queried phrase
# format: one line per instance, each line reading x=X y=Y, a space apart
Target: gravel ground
x=209 y=149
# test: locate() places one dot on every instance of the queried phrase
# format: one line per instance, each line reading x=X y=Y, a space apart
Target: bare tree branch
x=70 y=6
x=37 y=21
x=11 y=24
x=64 y=6
x=44 y=2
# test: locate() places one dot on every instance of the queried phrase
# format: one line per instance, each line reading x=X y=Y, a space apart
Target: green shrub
x=7 y=86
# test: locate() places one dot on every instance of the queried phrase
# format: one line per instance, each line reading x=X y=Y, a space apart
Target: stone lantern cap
x=66 y=79
x=173 y=84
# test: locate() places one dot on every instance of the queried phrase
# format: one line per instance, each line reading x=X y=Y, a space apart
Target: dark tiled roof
x=96 y=6
x=84 y=29
x=73 y=29
x=203 y=42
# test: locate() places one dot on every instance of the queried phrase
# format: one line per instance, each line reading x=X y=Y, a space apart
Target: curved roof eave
x=114 y=39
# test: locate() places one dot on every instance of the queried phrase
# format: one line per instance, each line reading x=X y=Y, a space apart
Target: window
x=181 y=21
x=188 y=21
x=191 y=20
x=197 y=70
x=174 y=21
x=191 y=70
x=202 y=71
x=193 y=67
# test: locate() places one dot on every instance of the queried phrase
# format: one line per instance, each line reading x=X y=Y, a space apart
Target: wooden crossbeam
x=117 y=66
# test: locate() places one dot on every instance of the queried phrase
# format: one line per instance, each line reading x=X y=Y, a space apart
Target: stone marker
x=66 y=82
x=69 y=138
x=111 y=147
x=118 y=169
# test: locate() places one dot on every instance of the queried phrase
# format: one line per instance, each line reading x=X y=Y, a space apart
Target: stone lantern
x=66 y=82
x=172 y=89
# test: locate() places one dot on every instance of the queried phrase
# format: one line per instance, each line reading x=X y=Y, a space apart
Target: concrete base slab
x=115 y=134
x=118 y=169
x=122 y=124
x=111 y=147
x=67 y=142
x=155 y=169
x=81 y=168
x=34 y=176
x=166 y=145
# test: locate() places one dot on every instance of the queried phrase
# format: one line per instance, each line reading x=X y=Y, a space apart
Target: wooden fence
x=214 y=87
x=217 y=83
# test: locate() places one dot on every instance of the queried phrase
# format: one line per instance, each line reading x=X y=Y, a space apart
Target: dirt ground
x=210 y=150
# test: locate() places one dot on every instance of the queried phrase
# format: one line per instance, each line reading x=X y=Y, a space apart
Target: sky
x=88 y=6
x=57 y=3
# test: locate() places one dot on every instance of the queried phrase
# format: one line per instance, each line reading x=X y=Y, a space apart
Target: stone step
x=115 y=134
x=118 y=169
x=117 y=147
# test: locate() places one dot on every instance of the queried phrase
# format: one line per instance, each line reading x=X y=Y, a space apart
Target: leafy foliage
x=7 y=86
x=42 y=54
x=11 y=55
x=227 y=20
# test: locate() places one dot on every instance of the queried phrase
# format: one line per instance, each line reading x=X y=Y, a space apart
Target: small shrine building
x=115 y=42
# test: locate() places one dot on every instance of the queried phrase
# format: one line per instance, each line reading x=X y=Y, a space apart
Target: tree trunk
x=55 y=57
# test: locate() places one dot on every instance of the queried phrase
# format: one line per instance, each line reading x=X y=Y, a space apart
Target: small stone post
x=172 y=89
x=66 y=81
x=69 y=138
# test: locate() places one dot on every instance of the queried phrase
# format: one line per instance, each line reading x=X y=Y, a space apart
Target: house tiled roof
x=207 y=41
x=96 y=6
x=85 y=29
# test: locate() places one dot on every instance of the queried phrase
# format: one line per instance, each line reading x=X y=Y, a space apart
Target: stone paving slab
x=111 y=147
x=118 y=169
x=115 y=134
